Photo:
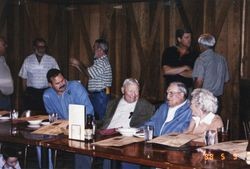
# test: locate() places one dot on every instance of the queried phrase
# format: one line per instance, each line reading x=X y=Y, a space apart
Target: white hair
x=130 y=81
x=207 y=40
x=204 y=100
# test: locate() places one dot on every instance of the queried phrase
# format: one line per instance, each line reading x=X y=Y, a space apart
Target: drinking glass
x=14 y=114
x=210 y=137
x=53 y=117
x=223 y=135
x=148 y=132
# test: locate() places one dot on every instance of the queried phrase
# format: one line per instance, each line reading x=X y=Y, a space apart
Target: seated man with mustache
x=57 y=99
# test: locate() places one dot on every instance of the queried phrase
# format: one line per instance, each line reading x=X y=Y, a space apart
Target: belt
x=105 y=90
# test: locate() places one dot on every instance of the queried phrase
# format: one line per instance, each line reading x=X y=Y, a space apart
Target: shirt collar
x=178 y=106
x=208 y=118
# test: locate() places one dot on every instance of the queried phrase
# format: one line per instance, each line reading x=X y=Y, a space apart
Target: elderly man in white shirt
x=33 y=73
x=6 y=81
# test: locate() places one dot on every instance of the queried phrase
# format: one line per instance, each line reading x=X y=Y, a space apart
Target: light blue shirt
x=75 y=93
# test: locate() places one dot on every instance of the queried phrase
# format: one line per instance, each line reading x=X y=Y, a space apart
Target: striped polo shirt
x=100 y=74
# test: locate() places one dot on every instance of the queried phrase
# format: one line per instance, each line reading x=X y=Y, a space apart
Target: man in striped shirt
x=100 y=77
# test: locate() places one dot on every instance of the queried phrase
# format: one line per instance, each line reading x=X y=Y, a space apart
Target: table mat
x=56 y=128
x=174 y=140
x=118 y=141
x=3 y=112
x=37 y=117
x=235 y=147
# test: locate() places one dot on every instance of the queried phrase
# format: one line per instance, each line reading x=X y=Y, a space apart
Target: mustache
x=63 y=86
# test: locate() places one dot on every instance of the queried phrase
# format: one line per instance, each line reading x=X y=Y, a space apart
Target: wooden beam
x=54 y=26
x=3 y=15
x=33 y=26
x=183 y=14
x=85 y=35
x=222 y=16
x=136 y=33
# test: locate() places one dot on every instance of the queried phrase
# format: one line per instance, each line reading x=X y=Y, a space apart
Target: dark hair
x=53 y=73
x=11 y=150
x=103 y=44
x=3 y=39
x=35 y=41
x=180 y=32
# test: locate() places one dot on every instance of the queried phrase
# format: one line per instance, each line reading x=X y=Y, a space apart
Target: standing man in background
x=178 y=60
x=100 y=77
x=33 y=73
x=6 y=81
x=210 y=69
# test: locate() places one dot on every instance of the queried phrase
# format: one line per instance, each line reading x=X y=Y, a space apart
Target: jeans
x=5 y=102
x=107 y=165
x=99 y=101
x=83 y=161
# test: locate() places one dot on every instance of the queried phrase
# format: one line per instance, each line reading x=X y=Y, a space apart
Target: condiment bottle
x=89 y=129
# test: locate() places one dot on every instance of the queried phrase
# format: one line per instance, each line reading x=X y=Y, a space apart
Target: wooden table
x=139 y=153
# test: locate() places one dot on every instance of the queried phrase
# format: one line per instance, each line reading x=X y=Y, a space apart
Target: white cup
x=148 y=132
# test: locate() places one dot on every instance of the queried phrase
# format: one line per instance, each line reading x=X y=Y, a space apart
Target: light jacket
x=179 y=123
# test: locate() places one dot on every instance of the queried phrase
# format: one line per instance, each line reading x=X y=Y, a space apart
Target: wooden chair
x=246 y=127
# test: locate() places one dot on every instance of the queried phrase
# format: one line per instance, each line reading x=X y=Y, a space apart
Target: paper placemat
x=236 y=147
x=174 y=140
x=58 y=127
x=118 y=141
x=37 y=117
x=3 y=112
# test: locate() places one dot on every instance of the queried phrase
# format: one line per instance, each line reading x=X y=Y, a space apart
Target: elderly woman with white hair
x=204 y=106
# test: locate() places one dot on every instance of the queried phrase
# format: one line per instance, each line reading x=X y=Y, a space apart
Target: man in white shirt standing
x=33 y=73
x=6 y=81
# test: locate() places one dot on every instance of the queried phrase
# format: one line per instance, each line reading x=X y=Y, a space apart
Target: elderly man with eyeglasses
x=175 y=114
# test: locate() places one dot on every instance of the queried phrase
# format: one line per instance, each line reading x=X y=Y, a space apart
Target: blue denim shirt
x=75 y=93
x=179 y=123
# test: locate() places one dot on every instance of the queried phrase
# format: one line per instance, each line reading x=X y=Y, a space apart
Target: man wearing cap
x=210 y=69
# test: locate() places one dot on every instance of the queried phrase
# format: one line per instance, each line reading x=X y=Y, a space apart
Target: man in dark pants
x=100 y=77
x=33 y=73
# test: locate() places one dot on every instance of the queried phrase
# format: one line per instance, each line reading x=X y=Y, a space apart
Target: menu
x=174 y=140
x=76 y=122
x=118 y=141
x=55 y=128
x=3 y=112
x=37 y=117
x=235 y=147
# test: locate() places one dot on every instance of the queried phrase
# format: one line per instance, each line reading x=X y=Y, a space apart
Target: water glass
x=223 y=135
x=148 y=132
x=210 y=137
x=14 y=114
x=53 y=117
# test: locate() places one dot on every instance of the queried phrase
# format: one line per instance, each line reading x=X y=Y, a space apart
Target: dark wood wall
x=137 y=32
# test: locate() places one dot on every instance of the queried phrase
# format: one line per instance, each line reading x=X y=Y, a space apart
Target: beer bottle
x=89 y=129
x=248 y=150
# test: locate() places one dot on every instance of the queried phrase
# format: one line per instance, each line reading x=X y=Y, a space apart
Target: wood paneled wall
x=137 y=33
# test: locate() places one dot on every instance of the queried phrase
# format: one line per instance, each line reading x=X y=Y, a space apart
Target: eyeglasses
x=41 y=46
x=171 y=93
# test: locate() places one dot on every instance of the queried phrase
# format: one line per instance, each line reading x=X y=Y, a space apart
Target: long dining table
x=143 y=153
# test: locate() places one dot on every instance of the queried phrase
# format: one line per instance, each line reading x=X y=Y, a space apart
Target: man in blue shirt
x=175 y=114
x=57 y=99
